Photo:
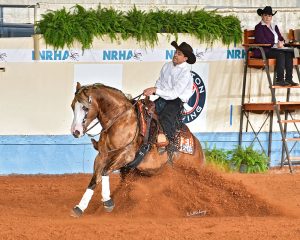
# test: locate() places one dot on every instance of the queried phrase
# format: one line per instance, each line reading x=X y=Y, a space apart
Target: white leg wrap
x=105 y=188
x=85 y=199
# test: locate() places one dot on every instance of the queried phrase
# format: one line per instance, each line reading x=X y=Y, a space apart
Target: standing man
x=174 y=87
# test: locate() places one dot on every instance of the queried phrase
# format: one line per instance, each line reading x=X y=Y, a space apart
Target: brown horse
x=119 y=139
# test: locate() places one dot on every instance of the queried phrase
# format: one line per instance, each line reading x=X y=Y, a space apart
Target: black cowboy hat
x=267 y=10
x=187 y=50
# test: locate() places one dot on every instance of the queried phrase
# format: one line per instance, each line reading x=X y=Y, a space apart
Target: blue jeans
x=284 y=61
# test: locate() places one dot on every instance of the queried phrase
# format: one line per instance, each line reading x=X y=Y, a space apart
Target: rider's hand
x=149 y=91
x=280 y=44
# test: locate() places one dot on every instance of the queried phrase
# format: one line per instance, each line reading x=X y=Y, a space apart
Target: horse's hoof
x=109 y=205
x=76 y=212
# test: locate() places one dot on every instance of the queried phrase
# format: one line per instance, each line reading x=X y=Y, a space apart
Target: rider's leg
x=160 y=104
x=169 y=115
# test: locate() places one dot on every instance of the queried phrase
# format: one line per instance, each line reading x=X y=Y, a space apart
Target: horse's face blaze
x=77 y=128
x=73 y=104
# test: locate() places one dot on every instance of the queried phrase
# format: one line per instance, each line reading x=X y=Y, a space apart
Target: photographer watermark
x=196 y=213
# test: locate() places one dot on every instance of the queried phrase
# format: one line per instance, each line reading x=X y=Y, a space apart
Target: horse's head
x=84 y=109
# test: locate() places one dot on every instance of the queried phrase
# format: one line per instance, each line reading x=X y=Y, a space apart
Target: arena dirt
x=181 y=202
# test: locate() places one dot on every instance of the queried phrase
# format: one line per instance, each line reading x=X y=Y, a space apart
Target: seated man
x=174 y=87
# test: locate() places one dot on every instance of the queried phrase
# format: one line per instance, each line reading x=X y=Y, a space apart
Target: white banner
x=117 y=55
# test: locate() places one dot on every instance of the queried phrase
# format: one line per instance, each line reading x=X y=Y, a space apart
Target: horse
x=119 y=140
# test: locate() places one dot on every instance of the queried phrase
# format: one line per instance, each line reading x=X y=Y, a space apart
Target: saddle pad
x=185 y=141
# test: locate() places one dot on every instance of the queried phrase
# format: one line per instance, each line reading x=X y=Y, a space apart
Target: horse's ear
x=78 y=86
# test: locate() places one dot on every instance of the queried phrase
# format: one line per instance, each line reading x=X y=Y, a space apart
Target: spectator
x=268 y=33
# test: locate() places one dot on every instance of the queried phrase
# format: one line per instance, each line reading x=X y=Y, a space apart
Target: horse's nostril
x=76 y=133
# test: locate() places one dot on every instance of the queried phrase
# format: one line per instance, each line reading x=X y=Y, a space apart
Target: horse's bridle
x=86 y=110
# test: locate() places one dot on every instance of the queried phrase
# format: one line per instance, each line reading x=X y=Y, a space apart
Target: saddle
x=152 y=132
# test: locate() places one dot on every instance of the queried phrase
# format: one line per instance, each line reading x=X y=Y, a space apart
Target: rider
x=174 y=87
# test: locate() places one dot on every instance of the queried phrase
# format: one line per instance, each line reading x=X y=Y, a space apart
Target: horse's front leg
x=96 y=178
x=108 y=203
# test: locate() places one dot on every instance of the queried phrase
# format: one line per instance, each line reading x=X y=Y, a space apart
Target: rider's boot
x=161 y=142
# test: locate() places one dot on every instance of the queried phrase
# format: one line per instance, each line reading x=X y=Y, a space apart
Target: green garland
x=62 y=28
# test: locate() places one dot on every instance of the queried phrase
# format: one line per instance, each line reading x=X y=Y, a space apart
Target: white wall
x=36 y=95
x=288 y=15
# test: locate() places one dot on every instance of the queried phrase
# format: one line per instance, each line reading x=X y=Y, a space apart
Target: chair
x=250 y=45
x=294 y=41
x=246 y=108
x=294 y=35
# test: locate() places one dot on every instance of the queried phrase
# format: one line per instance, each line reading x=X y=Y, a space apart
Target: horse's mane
x=83 y=89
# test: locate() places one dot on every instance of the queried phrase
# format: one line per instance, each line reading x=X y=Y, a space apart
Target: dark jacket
x=264 y=35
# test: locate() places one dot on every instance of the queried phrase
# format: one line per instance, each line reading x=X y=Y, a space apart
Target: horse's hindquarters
x=154 y=161
x=199 y=153
x=197 y=159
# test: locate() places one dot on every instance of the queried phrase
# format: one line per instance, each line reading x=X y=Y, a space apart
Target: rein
x=136 y=129
x=86 y=109
x=117 y=149
x=115 y=119
x=112 y=123
x=91 y=135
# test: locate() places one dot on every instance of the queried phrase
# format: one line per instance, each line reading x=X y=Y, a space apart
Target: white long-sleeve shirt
x=175 y=81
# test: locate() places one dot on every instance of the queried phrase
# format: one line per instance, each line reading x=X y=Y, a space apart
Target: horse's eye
x=85 y=109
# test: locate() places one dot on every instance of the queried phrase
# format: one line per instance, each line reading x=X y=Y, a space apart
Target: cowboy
x=174 y=87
